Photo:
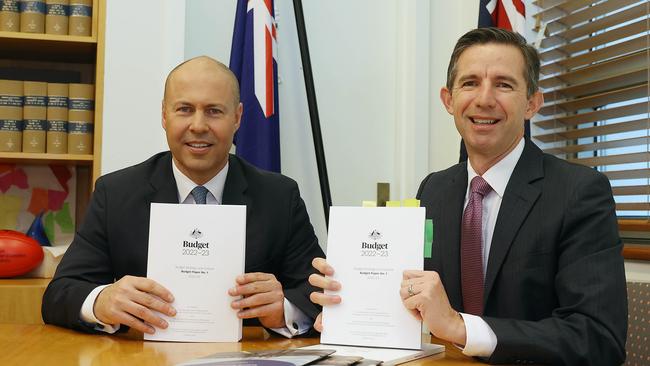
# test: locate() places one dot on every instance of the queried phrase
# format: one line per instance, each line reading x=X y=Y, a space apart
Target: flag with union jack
x=253 y=59
x=506 y=14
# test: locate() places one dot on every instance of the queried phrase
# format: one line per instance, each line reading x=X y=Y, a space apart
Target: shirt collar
x=185 y=185
x=499 y=174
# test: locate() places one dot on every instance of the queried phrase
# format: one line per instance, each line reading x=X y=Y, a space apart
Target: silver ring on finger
x=410 y=290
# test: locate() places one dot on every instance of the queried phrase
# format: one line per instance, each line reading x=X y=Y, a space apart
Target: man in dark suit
x=526 y=265
x=101 y=282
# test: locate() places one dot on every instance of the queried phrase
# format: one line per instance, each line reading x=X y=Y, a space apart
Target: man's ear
x=163 y=118
x=445 y=97
x=534 y=104
x=238 y=113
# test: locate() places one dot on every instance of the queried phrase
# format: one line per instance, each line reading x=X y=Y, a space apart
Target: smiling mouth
x=198 y=145
x=483 y=121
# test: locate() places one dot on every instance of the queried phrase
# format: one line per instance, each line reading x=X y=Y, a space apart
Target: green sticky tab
x=428 y=238
x=368 y=203
x=411 y=202
x=393 y=204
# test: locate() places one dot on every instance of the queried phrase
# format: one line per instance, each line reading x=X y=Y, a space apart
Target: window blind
x=595 y=70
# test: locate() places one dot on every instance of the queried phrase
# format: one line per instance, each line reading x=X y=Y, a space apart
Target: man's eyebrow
x=220 y=105
x=466 y=77
x=507 y=78
x=180 y=102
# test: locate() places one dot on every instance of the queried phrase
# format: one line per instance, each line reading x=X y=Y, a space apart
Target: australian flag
x=253 y=59
x=506 y=14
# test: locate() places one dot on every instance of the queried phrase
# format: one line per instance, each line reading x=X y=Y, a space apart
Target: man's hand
x=325 y=283
x=428 y=301
x=263 y=299
x=132 y=301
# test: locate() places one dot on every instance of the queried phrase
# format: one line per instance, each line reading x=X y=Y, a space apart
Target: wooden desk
x=49 y=345
x=20 y=300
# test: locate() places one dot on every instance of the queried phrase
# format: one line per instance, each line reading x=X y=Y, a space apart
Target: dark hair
x=500 y=36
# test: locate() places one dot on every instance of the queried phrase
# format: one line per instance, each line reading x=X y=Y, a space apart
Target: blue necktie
x=199 y=193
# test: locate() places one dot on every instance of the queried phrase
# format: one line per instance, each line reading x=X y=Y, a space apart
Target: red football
x=19 y=253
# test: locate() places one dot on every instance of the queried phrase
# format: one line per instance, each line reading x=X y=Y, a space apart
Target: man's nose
x=198 y=123
x=486 y=97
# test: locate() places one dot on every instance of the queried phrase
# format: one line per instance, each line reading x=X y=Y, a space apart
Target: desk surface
x=20 y=300
x=49 y=345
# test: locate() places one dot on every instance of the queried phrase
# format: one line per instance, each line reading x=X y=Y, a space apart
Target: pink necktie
x=471 y=248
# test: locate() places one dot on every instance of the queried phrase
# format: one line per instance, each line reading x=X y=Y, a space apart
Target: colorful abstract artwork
x=27 y=190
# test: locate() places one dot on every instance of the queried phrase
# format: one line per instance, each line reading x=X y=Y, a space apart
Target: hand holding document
x=196 y=252
x=370 y=248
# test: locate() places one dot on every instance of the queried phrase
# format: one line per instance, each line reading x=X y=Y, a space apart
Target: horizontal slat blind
x=595 y=78
x=593 y=26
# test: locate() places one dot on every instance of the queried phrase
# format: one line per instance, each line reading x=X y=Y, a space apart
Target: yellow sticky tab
x=368 y=203
x=411 y=202
x=393 y=204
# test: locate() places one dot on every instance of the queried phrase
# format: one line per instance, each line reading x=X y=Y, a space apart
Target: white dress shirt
x=481 y=340
x=296 y=322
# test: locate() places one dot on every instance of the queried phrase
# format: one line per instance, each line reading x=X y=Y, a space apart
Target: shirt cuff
x=296 y=322
x=87 y=314
x=481 y=340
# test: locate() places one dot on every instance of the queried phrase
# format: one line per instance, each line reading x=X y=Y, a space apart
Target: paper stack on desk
x=384 y=356
x=288 y=357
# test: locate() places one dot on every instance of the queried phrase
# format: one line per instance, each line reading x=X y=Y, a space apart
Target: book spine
x=32 y=16
x=11 y=115
x=81 y=107
x=56 y=16
x=81 y=12
x=57 y=118
x=34 y=116
x=9 y=16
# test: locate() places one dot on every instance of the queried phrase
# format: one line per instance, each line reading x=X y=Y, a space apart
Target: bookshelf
x=83 y=55
x=55 y=53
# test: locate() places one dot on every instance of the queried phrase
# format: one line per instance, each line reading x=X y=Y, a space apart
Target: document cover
x=369 y=248
x=196 y=252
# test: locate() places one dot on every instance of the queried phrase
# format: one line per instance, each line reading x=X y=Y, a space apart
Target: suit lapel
x=236 y=184
x=519 y=197
x=163 y=183
x=450 y=214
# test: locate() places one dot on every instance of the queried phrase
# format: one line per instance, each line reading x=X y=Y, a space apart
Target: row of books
x=40 y=117
x=71 y=17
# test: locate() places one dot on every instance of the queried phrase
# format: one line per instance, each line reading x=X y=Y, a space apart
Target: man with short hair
x=526 y=264
x=101 y=282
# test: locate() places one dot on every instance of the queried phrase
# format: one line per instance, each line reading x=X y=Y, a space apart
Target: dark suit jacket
x=555 y=283
x=113 y=240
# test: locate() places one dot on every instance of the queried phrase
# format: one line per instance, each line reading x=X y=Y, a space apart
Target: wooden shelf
x=48 y=47
x=35 y=158
x=48 y=37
